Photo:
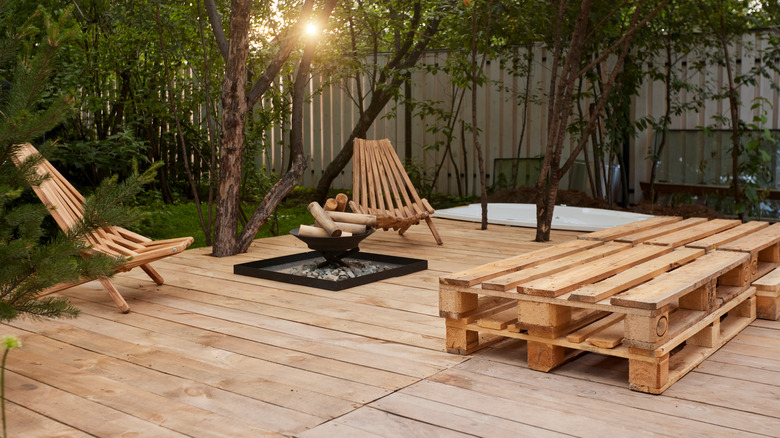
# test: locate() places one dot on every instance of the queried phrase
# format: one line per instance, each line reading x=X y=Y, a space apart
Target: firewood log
x=312 y=231
x=341 y=202
x=331 y=205
x=324 y=220
x=353 y=218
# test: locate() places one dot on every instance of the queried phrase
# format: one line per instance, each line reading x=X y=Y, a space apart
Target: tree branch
x=275 y=66
x=216 y=28
x=629 y=35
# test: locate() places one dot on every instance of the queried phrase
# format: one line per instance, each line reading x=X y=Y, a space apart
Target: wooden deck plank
x=336 y=428
x=270 y=293
x=209 y=348
x=444 y=412
x=603 y=378
x=596 y=415
x=37 y=425
x=509 y=401
x=128 y=399
x=74 y=411
x=365 y=325
x=177 y=388
x=729 y=393
x=219 y=375
x=380 y=423
x=244 y=340
x=291 y=335
x=410 y=299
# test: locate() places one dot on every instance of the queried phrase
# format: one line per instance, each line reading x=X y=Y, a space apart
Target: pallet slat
x=510 y=281
x=694 y=233
x=664 y=289
x=470 y=277
x=570 y=279
x=596 y=292
x=757 y=241
x=641 y=236
x=584 y=333
x=716 y=241
x=634 y=227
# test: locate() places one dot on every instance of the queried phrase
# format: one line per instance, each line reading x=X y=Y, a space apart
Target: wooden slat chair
x=381 y=187
x=65 y=204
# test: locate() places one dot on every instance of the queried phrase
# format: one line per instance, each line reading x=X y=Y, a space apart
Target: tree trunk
x=475 y=69
x=234 y=109
x=667 y=117
x=735 y=140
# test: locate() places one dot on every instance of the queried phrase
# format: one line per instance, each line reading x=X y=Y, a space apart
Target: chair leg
x=436 y=236
x=403 y=229
x=156 y=277
x=114 y=293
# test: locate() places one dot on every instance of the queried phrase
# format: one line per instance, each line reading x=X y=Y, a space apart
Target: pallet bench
x=664 y=293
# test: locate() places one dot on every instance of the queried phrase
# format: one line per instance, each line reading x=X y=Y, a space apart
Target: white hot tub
x=524 y=215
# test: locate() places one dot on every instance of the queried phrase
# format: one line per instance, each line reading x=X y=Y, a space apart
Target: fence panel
x=332 y=115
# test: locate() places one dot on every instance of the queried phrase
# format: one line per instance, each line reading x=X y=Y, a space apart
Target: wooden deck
x=215 y=354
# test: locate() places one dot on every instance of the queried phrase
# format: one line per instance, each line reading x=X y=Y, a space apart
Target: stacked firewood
x=333 y=221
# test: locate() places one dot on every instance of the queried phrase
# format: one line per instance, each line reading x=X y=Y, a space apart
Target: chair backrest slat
x=381 y=186
x=390 y=159
x=357 y=172
x=66 y=206
x=380 y=182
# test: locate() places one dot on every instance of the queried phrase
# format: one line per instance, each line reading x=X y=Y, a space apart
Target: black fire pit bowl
x=272 y=269
x=333 y=244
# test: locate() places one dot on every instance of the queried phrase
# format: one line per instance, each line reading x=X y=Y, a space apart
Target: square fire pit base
x=279 y=269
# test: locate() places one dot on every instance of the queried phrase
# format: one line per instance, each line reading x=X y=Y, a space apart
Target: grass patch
x=163 y=221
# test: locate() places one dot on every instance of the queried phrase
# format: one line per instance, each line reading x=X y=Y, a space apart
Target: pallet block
x=768 y=295
x=764 y=249
x=658 y=373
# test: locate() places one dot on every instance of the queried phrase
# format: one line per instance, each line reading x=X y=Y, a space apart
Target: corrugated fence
x=690 y=157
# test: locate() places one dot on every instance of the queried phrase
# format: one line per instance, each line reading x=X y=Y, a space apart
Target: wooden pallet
x=629 y=292
x=651 y=371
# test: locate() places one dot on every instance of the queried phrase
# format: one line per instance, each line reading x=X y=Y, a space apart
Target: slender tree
x=236 y=102
x=725 y=22
x=477 y=71
x=571 y=37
